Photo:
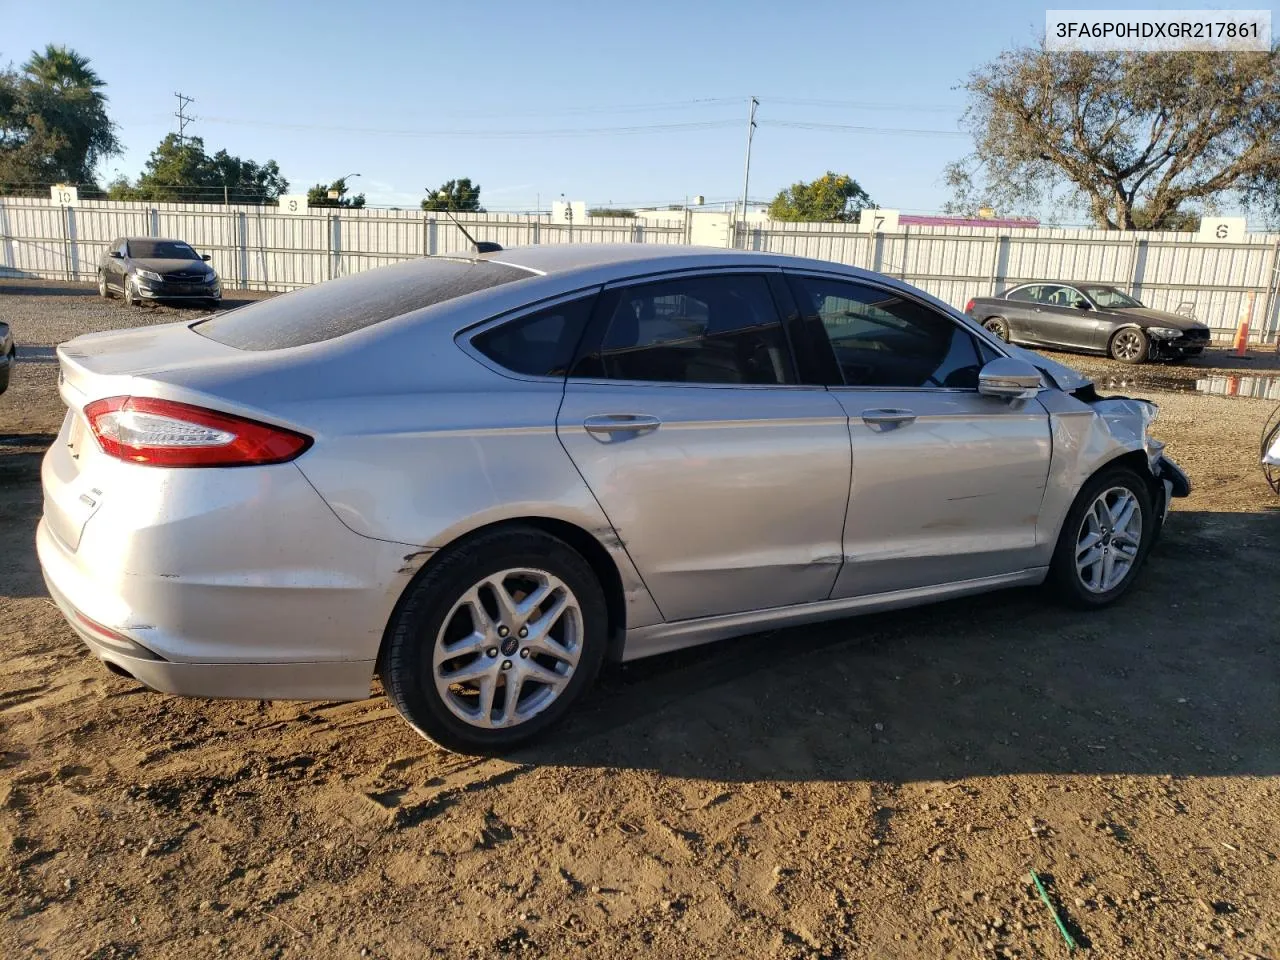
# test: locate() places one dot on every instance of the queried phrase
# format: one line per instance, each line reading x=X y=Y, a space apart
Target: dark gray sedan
x=150 y=268
x=1089 y=318
x=8 y=355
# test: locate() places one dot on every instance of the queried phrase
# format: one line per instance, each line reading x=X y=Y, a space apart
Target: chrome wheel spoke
x=476 y=670
x=536 y=671
x=484 y=709
x=508 y=607
x=511 y=696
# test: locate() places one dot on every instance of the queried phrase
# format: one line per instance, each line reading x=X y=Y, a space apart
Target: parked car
x=8 y=355
x=1089 y=318
x=146 y=268
x=481 y=477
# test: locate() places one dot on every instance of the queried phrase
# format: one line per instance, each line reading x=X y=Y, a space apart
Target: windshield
x=1110 y=297
x=161 y=250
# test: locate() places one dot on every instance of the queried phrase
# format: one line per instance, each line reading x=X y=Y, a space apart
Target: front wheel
x=999 y=326
x=1104 y=539
x=131 y=296
x=496 y=640
x=103 y=292
x=1129 y=345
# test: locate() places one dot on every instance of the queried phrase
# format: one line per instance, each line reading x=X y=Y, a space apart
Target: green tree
x=318 y=196
x=53 y=121
x=180 y=171
x=1121 y=132
x=610 y=212
x=833 y=196
x=455 y=195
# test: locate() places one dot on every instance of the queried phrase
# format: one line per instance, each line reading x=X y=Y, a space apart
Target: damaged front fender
x=1090 y=431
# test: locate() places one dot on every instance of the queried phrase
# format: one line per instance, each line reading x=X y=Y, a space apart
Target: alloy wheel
x=508 y=648
x=1109 y=540
x=1127 y=345
x=997 y=327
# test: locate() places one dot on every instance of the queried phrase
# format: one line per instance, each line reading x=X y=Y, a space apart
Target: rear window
x=330 y=310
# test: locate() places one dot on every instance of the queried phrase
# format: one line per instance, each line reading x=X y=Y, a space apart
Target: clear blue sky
x=407 y=93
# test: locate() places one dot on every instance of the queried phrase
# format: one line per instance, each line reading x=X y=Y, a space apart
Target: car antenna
x=480 y=246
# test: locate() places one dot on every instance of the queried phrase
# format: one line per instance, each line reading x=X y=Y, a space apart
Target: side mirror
x=1008 y=378
x=205 y=258
x=116 y=255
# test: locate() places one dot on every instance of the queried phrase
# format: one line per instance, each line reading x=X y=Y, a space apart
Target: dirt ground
x=876 y=787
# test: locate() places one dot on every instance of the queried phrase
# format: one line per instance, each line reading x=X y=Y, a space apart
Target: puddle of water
x=1230 y=385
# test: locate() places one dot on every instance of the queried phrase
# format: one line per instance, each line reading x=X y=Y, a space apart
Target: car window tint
x=882 y=339
x=1023 y=294
x=161 y=250
x=339 y=307
x=709 y=329
x=540 y=344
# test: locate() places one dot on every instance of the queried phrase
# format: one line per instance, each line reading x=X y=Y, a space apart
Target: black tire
x=214 y=304
x=1064 y=578
x=103 y=290
x=999 y=326
x=406 y=664
x=1129 y=345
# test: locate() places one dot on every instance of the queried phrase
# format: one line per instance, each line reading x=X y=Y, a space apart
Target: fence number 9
x=293 y=203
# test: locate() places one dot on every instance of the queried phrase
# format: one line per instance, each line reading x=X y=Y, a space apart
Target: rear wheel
x=999 y=326
x=1104 y=539
x=1129 y=345
x=496 y=640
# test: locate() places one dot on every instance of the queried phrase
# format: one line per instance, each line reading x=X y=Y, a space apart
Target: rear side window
x=882 y=339
x=339 y=307
x=540 y=344
x=708 y=329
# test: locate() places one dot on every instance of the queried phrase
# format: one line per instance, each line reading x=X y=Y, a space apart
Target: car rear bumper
x=296 y=680
x=230 y=583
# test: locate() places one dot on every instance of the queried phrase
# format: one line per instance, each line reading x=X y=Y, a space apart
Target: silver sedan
x=480 y=477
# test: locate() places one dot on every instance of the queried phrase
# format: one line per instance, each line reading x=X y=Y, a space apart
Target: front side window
x=708 y=329
x=539 y=344
x=882 y=339
x=1111 y=298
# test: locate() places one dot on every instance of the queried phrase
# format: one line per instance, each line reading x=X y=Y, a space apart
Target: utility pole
x=746 y=176
x=183 y=117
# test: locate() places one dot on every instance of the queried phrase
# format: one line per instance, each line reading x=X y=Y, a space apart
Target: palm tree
x=62 y=68
x=62 y=95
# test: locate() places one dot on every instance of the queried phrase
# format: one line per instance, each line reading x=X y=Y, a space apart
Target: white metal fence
x=258 y=248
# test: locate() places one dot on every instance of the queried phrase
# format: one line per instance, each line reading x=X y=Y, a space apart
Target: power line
x=901 y=131
x=868 y=105
x=485 y=134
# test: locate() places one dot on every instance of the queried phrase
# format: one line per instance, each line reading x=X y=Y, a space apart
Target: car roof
x=634 y=259
x=155 y=240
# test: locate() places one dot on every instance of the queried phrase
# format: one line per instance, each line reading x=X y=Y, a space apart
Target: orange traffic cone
x=1242 y=330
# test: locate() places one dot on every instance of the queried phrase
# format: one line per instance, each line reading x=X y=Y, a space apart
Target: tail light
x=165 y=433
x=968 y=307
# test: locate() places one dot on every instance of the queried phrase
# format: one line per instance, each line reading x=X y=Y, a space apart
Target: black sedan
x=1089 y=318
x=146 y=268
x=8 y=355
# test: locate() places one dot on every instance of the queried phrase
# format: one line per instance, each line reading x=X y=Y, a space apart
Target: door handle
x=888 y=418
x=607 y=424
